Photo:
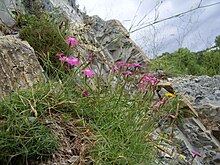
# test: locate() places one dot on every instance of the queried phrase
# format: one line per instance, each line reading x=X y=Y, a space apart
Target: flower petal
x=73 y=41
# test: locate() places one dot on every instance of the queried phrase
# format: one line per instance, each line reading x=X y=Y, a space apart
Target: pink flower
x=147 y=78
x=160 y=101
x=59 y=54
x=85 y=93
x=90 y=57
x=62 y=58
x=114 y=68
x=73 y=41
x=88 y=72
x=155 y=108
x=150 y=78
x=172 y=116
x=121 y=64
x=141 y=85
x=73 y=61
x=196 y=153
x=135 y=64
x=153 y=81
x=127 y=73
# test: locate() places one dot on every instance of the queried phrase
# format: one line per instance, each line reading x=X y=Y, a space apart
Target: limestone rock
x=65 y=7
x=111 y=39
x=5 y=12
x=203 y=132
x=19 y=67
x=204 y=94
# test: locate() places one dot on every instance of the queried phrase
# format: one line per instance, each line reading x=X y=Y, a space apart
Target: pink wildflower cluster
x=73 y=60
x=149 y=78
x=88 y=72
x=146 y=79
x=72 y=41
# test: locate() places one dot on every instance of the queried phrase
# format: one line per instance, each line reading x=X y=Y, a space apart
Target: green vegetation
x=120 y=123
x=23 y=134
x=184 y=62
x=118 y=113
x=46 y=33
x=217 y=41
x=114 y=118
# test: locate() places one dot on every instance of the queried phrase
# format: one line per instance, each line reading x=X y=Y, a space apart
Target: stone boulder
x=6 y=16
x=202 y=132
x=110 y=41
x=114 y=37
x=19 y=67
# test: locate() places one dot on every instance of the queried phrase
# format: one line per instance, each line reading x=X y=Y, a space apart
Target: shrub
x=184 y=62
x=45 y=33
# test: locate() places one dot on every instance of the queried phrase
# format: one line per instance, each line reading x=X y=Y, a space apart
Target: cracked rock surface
x=19 y=67
x=202 y=132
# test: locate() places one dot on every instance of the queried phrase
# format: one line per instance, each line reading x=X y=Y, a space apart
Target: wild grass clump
x=44 y=34
x=120 y=107
x=26 y=119
x=121 y=110
x=23 y=133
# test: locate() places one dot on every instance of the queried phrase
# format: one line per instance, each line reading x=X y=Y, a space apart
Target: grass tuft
x=23 y=135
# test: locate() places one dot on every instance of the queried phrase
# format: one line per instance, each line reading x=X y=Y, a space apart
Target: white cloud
x=106 y=9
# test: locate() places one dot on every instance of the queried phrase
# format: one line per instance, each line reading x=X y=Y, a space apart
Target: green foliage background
x=184 y=62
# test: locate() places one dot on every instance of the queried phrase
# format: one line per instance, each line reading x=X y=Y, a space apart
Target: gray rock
x=216 y=159
x=202 y=133
x=217 y=93
x=19 y=67
x=5 y=13
x=114 y=41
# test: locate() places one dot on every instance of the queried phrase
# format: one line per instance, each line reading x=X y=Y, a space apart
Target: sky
x=195 y=30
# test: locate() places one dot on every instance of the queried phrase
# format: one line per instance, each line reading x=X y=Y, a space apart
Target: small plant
x=46 y=33
x=122 y=111
x=119 y=114
x=23 y=135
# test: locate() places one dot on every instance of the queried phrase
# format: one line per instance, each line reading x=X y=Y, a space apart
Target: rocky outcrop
x=203 y=131
x=114 y=39
x=5 y=13
x=66 y=7
x=109 y=40
x=19 y=67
